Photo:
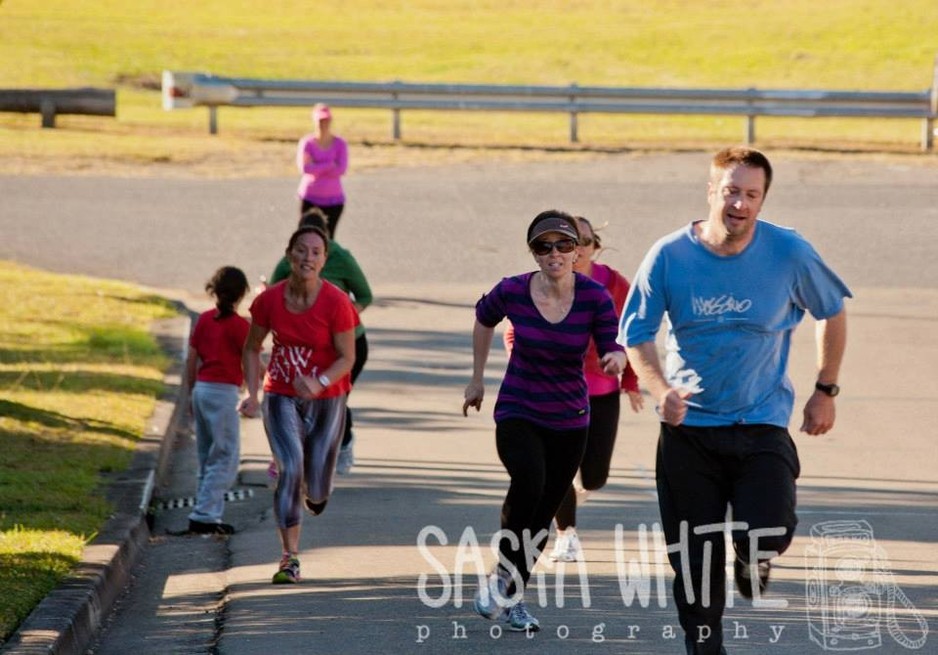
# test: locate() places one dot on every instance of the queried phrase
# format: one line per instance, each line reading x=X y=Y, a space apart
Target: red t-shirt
x=303 y=342
x=219 y=344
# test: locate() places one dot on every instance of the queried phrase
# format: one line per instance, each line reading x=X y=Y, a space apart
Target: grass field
x=850 y=44
x=79 y=376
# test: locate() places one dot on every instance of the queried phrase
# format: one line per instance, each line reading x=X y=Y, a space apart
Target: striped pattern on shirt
x=544 y=381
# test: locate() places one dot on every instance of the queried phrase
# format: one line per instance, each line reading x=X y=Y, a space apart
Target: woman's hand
x=307 y=386
x=475 y=391
x=636 y=401
x=249 y=407
x=613 y=363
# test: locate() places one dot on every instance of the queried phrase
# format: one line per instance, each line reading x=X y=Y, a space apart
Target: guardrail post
x=47 y=109
x=213 y=119
x=750 y=121
x=928 y=139
x=574 y=137
x=395 y=115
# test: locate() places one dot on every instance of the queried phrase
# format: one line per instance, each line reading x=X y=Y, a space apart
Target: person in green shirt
x=342 y=270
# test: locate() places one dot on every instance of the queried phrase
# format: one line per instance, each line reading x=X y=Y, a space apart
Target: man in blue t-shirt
x=733 y=289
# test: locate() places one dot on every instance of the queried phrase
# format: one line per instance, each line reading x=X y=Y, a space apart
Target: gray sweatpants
x=218 y=443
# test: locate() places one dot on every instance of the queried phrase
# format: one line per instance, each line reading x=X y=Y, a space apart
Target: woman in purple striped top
x=542 y=409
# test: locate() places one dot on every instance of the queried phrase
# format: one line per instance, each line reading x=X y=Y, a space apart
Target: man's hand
x=819 y=414
x=673 y=406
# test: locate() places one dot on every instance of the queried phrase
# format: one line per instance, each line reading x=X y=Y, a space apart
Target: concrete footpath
x=381 y=565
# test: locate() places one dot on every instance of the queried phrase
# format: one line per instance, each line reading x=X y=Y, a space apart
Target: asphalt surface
x=431 y=241
x=465 y=223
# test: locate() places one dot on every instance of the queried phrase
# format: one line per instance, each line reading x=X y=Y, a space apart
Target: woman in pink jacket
x=322 y=159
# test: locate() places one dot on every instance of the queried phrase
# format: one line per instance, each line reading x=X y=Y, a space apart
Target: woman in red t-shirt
x=305 y=387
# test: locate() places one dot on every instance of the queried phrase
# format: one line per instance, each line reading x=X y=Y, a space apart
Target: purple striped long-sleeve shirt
x=544 y=382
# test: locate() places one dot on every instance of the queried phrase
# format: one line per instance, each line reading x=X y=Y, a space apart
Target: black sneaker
x=316 y=508
x=200 y=527
x=690 y=647
x=742 y=575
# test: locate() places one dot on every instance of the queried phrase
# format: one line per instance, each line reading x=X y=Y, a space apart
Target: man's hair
x=741 y=156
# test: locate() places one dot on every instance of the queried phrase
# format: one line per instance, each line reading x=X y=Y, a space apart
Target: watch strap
x=829 y=389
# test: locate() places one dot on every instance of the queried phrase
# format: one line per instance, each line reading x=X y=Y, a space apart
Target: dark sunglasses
x=546 y=247
x=586 y=241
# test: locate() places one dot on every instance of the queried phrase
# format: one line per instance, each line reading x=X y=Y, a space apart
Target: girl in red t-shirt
x=305 y=387
x=214 y=376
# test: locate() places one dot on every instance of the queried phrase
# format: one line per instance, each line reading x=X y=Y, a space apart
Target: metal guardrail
x=182 y=90
x=51 y=102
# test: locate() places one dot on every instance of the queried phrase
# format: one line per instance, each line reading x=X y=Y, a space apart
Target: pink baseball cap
x=321 y=112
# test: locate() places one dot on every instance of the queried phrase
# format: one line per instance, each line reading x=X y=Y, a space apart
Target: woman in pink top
x=322 y=159
x=213 y=373
x=605 y=391
x=305 y=387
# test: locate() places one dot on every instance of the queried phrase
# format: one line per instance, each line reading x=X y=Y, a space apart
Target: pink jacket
x=322 y=170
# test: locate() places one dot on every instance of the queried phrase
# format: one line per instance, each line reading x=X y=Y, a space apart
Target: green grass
x=79 y=376
x=845 y=44
x=852 y=43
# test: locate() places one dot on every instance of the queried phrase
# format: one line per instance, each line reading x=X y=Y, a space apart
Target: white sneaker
x=491 y=605
x=346 y=458
x=560 y=547
x=567 y=547
x=519 y=619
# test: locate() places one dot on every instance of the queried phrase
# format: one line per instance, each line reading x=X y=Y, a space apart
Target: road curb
x=66 y=621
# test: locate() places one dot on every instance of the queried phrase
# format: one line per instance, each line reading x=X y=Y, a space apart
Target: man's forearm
x=831 y=343
x=644 y=360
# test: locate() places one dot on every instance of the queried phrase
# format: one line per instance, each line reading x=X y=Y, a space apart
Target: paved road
x=431 y=241
x=463 y=223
